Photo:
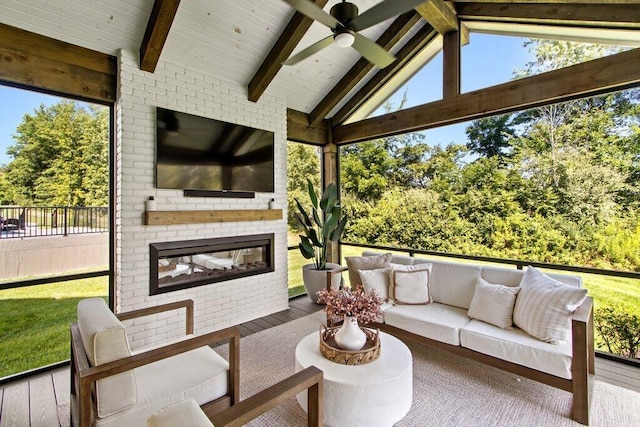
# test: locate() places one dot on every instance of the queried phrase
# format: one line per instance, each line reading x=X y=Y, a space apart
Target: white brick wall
x=216 y=305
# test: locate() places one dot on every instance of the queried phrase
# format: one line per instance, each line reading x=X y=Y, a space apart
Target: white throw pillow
x=410 y=284
x=402 y=267
x=544 y=306
x=376 y=280
x=493 y=304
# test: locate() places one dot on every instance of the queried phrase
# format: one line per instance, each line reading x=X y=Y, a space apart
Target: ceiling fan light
x=344 y=39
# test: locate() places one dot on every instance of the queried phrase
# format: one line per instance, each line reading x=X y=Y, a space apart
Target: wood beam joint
x=299 y=129
x=440 y=14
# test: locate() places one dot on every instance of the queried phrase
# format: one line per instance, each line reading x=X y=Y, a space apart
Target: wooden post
x=451 y=65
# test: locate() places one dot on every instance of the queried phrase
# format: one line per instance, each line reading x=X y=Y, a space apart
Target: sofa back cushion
x=105 y=340
x=453 y=284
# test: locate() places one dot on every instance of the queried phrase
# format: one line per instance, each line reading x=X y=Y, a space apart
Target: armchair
x=113 y=386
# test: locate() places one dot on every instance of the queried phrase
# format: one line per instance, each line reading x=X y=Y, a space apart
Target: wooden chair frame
x=309 y=379
x=84 y=376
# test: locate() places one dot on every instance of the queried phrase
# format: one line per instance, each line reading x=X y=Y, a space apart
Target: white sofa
x=444 y=323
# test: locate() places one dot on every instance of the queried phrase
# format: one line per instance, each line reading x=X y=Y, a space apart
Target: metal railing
x=36 y=221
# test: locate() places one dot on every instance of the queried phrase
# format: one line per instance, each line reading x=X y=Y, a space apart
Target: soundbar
x=220 y=193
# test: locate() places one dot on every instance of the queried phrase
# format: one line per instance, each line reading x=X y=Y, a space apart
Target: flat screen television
x=197 y=153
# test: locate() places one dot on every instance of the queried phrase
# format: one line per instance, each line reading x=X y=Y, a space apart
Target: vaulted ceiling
x=245 y=41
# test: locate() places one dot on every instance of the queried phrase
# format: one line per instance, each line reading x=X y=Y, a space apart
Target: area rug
x=448 y=390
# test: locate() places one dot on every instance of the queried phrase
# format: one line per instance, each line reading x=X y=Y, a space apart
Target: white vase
x=350 y=336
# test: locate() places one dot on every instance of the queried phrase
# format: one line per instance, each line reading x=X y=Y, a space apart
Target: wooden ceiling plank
x=615 y=72
x=155 y=36
x=299 y=130
x=401 y=26
x=281 y=50
x=440 y=15
x=617 y=14
x=423 y=37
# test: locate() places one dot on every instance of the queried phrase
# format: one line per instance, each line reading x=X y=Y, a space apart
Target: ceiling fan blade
x=311 y=10
x=381 y=12
x=372 y=51
x=305 y=53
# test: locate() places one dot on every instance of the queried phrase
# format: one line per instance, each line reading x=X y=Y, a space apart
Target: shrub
x=619 y=331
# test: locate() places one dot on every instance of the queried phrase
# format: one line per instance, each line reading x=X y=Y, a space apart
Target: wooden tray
x=330 y=350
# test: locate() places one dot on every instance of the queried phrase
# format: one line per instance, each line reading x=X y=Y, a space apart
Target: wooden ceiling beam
x=611 y=73
x=155 y=36
x=281 y=50
x=37 y=62
x=451 y=64
x=392 y=35
x=612 y=15
x=422 y=38
x=440 y=14
x=299 y=130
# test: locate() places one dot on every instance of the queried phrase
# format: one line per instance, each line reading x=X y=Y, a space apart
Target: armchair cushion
x=105 y=340
x=184 y=413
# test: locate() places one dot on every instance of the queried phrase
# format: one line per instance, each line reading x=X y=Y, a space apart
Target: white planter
x=316 y=280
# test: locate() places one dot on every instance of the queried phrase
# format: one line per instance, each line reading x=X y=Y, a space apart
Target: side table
x=375 y=394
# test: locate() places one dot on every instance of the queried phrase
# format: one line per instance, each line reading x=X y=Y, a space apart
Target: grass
x=34 y=322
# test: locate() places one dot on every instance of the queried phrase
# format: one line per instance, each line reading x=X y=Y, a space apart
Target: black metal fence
x=36 y=221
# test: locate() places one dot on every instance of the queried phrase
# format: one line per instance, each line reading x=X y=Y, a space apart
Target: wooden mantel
x=208 y=216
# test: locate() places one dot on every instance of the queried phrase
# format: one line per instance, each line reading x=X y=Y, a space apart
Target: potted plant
x=323 y=225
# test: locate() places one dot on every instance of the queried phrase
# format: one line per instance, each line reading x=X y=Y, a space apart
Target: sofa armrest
x=584 y=311
x=310 y=379
x=188 y=304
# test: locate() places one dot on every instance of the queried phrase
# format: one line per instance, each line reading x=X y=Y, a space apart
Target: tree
x=303 y=163
x=490 y=137
x=61 y=157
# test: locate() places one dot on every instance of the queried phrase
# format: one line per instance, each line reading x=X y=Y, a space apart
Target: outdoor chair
x=114 y=386
x=188 y=413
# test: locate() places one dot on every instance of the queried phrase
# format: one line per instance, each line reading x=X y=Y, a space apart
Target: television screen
x=197 y=153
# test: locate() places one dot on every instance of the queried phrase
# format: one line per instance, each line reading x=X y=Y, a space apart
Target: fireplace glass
x=185 y=264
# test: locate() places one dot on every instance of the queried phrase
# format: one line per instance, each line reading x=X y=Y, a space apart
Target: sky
x=486 y=61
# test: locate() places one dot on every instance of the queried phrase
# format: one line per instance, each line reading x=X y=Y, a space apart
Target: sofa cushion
x=518 y=347
x=410 y=284
x=513 y=277
x=454 y=284
x=184 y=413
x=199 y=374
x=104 y=339
x=396 y=259
x=493 y=303
x=376 y=280
x=355 y=263
x=544 y=306
x=435 y=321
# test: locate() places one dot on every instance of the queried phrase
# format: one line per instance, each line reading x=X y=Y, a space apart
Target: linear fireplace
x=190 y=263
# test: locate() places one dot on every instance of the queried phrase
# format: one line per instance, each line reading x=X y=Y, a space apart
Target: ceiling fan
x=345 y=23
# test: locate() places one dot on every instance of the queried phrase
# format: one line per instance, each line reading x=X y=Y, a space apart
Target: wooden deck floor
x=35 y=401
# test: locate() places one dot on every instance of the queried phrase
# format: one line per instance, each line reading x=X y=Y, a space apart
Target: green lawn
x=34 y=322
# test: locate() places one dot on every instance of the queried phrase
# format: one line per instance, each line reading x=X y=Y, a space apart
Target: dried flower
x=363 y=306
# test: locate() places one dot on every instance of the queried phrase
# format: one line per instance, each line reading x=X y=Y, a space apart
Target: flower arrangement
x=363 y=306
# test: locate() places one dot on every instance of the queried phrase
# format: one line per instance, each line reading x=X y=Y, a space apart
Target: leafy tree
x=490 y=137
x=60 y=157
x=303 y=163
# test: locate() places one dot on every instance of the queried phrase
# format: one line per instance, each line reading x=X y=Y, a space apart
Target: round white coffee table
x=375 y=394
